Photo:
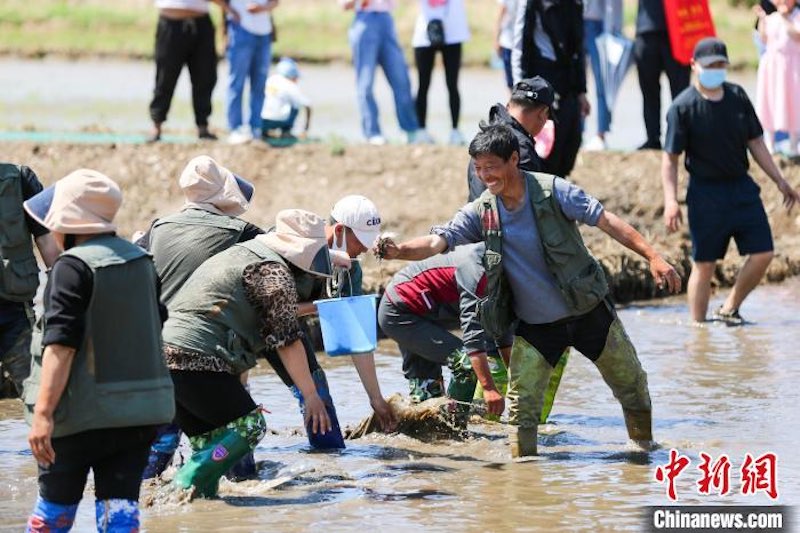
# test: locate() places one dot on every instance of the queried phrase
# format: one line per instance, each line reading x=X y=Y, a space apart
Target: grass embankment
x=312 y=30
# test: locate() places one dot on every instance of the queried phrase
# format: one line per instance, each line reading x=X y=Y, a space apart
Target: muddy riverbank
x=414 y=188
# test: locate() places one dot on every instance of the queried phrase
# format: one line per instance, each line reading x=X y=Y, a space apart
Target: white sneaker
x=421 y=136
x=377 y=140
x=240 y=136
x=596 y=144
x=456 y=139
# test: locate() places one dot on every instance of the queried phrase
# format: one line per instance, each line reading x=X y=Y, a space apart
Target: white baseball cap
x=360 y=215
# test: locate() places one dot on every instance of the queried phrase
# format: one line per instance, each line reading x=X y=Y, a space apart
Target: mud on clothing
x=723 y=200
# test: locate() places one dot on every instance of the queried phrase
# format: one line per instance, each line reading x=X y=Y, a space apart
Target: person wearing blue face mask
x=714 y=122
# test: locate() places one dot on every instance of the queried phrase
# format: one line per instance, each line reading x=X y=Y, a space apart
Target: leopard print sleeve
x=270 y=290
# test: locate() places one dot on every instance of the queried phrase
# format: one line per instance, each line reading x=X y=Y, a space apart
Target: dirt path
x=414 y=188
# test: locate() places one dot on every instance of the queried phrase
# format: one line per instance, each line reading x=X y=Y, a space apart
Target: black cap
x=535 y=90
x=710 y=50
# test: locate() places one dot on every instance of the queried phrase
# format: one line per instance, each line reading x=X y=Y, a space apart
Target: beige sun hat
x=210 y=186
x=81 y=203
x=299 y=237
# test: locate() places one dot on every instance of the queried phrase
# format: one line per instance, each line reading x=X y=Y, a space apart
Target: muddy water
x=715 y=389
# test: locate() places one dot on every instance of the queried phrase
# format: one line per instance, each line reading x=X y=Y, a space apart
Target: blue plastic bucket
x=349 y=325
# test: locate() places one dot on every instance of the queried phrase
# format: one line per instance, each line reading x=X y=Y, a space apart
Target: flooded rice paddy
x=715 y=389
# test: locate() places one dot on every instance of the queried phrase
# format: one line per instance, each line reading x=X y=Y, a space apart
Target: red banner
x=688 y=21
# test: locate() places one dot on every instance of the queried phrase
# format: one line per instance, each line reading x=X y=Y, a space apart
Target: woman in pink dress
x=777 y=100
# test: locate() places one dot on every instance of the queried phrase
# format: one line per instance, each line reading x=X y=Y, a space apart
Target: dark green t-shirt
x=714 y=135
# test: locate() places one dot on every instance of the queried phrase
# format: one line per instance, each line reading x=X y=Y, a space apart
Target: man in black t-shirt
x=714 y=123
x=18 y=285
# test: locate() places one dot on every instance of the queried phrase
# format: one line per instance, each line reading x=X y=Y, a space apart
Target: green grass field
x=311 y=30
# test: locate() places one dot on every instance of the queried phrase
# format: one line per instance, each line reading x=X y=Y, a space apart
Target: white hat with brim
x=299 y=237
x=81 y=203
x=209 y=186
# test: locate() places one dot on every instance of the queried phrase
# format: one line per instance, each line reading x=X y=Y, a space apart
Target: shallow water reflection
x=715 y=389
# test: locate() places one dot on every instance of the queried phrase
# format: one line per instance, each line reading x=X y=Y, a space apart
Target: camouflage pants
x=530 y=372
x=15 y=352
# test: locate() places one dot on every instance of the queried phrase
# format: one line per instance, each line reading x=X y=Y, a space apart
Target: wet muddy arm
x=416 y=249
x=625 y=234
x=495 y=403
x=480 y=364
x=365 y=366
x=505 y=353
x=293 y=357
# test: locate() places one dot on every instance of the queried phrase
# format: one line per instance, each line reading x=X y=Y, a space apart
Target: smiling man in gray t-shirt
x=537 y=261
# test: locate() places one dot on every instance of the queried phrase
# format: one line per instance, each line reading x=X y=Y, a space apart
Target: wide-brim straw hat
x=81 y=203
x=210 y=186
x=299 y=237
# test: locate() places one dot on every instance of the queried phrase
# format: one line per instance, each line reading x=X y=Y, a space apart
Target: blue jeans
x=373 y=41
x=248 y=57
x=283 y=125
x=591 y=29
